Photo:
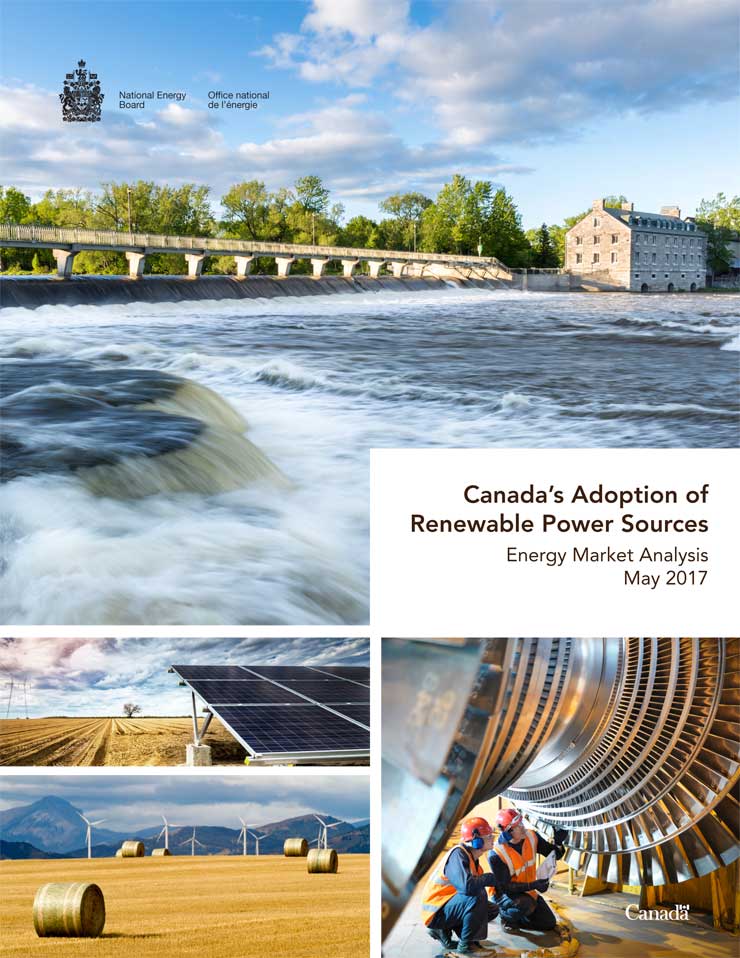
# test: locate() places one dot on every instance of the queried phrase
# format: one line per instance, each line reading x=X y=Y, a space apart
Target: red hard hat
x=474 y=828
x=508 y=817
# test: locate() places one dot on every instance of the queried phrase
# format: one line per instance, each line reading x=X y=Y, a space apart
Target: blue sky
x=558 y=102
x=89 y=676
x=137 y=801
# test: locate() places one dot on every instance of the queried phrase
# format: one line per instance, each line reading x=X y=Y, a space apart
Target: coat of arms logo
x=82 y=99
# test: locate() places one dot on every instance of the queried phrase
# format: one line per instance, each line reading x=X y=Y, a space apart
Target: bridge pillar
x=135 y=264
x=195 y=264
x=65 y=258
x=398 y=268
x=283 y=264
x=375 y=267
x=243 y=265
x=319 y=265
x=348 y=266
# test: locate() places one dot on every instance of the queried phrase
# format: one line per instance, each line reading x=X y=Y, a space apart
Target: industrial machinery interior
x=628 y=744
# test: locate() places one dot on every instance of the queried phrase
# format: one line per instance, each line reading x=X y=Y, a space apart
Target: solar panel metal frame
x=252 y=673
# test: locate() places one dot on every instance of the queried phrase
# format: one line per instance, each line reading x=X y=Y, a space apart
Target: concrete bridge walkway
x=66 y=243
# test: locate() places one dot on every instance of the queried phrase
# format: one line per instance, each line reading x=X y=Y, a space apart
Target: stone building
x=626 y=249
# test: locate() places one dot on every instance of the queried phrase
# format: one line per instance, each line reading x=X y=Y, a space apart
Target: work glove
x=541 y=885
x=560 y=835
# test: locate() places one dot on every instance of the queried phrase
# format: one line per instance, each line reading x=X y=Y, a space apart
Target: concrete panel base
x=243 y=265
x=283 y=264
x=195 y=264
x=397 y=268
x=198 y=755
x=349 y=266
x=136 y=263
x=64 y=259
x=318 y=266
x=375 y=267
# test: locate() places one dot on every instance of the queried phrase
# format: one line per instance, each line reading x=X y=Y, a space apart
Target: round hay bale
x=119 y=853
x=322 y=860
x=295 y=847
x=158 y=852
x=69 y=910
x=132 y=849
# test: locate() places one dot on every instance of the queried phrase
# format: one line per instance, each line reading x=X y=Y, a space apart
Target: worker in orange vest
x=513 y=862
x=456 y=896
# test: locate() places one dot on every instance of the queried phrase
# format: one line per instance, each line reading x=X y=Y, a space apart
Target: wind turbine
x=192 y=842
x=89 y=831
x=323 y=838
x=257 y=839
x=166 y=832
x=243 y=835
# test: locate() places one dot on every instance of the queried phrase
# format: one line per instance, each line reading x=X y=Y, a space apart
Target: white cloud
x=523 y=70
x=96 y=676
x=349 y=142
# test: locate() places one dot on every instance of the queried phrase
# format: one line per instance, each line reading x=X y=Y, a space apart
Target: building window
x=615 y=237
x=596 y=220
x=655 y=239
x=691 y=241
x=667 y=257
x=614 y=257
x=596 y=258
x=597 y=240
x=691 y=257
x=675 y=257
x=655 y=258
x=637 y=275
x=637 y=257
x=683 y=257
x=579 y=257
x=579 y=241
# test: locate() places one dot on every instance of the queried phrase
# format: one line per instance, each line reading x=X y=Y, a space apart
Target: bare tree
x=129 y=709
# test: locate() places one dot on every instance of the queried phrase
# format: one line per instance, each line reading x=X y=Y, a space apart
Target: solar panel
x=281 y=672
x=299 y=728
x=277 y=710
x=212 y=672
x=357 y=673
x=330 y=690
x=360 y=713
x=258 y=692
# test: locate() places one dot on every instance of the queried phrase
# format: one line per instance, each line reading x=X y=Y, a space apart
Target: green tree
x=545 y=256
x=15 y=207
x=312 y=195
x=405 y=211
x=358 y=232
x=506 y=237
x=444 y=222
x=247 y=208
x=719 y=218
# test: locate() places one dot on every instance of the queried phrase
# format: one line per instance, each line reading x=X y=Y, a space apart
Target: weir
x=66 y=243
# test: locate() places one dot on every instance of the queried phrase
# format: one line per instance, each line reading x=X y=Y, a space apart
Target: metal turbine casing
x=629 y=744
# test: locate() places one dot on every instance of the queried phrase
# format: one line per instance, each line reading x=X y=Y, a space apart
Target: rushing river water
x=207 y=463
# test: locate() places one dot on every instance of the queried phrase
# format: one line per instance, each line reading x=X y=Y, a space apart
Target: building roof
x=636 y=219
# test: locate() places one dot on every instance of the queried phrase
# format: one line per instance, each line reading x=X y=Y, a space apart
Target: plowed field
x=217 y=907
x=109 y=741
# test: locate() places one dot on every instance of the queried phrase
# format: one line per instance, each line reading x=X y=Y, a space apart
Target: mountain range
x=51 y=828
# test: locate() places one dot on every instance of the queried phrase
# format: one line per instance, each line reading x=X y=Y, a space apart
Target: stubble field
x=109 y=741
x=224 y=907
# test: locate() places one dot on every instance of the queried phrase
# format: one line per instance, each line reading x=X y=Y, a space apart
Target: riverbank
x=98 y=291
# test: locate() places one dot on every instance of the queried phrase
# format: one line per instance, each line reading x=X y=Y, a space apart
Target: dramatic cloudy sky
x=137 y=801
x=96 y=676
x=557 y=100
